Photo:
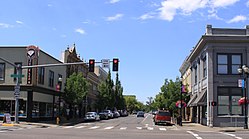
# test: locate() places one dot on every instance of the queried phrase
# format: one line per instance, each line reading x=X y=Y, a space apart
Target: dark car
x=162 y=117
x=140 y=114
x=103 y=115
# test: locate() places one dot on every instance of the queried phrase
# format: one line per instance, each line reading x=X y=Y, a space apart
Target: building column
x=29 y=105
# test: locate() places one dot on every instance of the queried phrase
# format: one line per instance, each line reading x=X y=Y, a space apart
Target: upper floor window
x=195 y=70
x=15 y=72
x=2 y=71
x=41 y=74
x=51 y=79
x=228 y=63
x=204 y=67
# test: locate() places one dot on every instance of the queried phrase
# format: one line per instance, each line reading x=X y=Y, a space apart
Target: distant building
x=39 y=98
x=70 y=56
x=214 y=78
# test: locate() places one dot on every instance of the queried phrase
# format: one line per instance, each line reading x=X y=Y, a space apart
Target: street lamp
x=180 y=123
x=245 y=71
x=59 y=85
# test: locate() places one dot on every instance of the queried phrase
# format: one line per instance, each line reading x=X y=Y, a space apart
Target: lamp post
x=60 y=85
x=180 y=123
x=245 y=71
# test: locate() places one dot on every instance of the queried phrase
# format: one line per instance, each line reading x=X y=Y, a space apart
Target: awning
x=201 y=98
x=192 y=99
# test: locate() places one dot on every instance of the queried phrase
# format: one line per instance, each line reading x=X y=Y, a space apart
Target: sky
x=151 y=38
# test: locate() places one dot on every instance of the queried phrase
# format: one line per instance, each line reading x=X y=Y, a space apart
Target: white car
x=91 y=116
x=110 y=114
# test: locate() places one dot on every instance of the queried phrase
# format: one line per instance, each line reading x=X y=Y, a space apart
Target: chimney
x=209 y=30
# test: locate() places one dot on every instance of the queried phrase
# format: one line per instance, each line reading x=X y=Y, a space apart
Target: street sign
x=16 y=76
x=105 y=63
x=241 y=83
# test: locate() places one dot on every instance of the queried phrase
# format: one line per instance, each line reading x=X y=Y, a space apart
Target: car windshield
x=162 y=113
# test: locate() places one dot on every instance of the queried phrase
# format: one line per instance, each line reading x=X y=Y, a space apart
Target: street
x=129 y=127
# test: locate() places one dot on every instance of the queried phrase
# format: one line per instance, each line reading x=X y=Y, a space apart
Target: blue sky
x=150 y=37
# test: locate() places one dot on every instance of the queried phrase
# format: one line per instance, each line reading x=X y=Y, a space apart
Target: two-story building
x=214 y=62
x=39 y=95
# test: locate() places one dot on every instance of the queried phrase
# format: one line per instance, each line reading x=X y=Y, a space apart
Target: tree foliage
x=110 y=96
x=76 y=89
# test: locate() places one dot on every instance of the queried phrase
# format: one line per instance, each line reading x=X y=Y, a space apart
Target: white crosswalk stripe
x=110 y=127
x=139 y=128
x=68 y=127
x=123 y=128
x=150 y=128
x=162 y=129
x=94 y=127
x=78 y=127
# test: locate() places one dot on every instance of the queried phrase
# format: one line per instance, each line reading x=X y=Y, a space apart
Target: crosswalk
x=115 y=128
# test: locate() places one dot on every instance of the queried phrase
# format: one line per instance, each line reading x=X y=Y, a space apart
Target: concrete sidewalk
x=44 y=124
x=202 y=128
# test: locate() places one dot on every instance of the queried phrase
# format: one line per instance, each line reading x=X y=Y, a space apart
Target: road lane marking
x=110 y=127
x=94 y=127
x=123 y=128
x=80 y=127
x=150 y=128
x=139 y=128
x=68 y=127
x=162 y=129
x=232 y=135
x=195 y=135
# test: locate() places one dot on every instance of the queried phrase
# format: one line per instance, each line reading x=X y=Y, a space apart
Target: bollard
x=58 y=120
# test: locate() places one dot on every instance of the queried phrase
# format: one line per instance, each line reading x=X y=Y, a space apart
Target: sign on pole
x=241 y=83
x=105 y=63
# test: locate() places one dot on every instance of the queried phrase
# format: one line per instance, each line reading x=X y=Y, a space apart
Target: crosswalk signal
x=115 y=64
x=91 y=65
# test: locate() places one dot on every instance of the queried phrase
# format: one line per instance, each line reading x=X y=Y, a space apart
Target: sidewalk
x=44 y=124
x=199 y=127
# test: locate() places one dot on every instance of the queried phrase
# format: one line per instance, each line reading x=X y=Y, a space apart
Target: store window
x=228 y=101
x=8 y=106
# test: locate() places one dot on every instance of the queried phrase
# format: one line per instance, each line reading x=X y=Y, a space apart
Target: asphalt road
x=129 y=127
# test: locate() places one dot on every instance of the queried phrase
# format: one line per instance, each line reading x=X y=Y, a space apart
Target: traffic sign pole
x=17 y=92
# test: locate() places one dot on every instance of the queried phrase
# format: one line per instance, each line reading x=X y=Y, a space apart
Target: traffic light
x=91 y=65
x=213 y=103
x=115 y=64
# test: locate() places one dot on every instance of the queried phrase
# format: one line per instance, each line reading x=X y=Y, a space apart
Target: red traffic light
x=91 y=65
x=115 y=64
x=213 y=103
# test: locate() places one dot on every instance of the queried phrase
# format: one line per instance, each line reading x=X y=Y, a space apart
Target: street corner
x=8 y=124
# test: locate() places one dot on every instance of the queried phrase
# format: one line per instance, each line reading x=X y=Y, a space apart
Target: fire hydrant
x=57 y=120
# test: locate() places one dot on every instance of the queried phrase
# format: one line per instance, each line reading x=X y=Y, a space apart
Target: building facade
x=70 y=56
x=39 y=95
x=214 y=77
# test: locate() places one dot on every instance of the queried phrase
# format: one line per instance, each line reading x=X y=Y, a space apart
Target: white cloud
x=4 y=25
x=247 y=3
x=170 y=8
x=50 y=5
x=147 y=16
x=222 y=3
x=63 y=36
x=116 y=17
x=238 y=18
x=113 y=1
x=19 y=22
x=80 y=30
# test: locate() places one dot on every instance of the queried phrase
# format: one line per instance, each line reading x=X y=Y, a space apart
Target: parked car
x=116 y=114
x=140 y=114
x=123 y=113
x=162 y=117
x=103 y=115
x=110 y=114
x=92 y=116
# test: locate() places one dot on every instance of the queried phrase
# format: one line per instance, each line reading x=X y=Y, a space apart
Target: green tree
x=76 y=89
x=118 y=92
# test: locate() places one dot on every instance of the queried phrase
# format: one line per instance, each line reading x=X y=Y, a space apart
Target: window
x=41 y=74
x=204 y=67
x=51 y=79
x=15 y=72
x=228 y=101
x=2 y=71
x=228 y=63
x=195 y=68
